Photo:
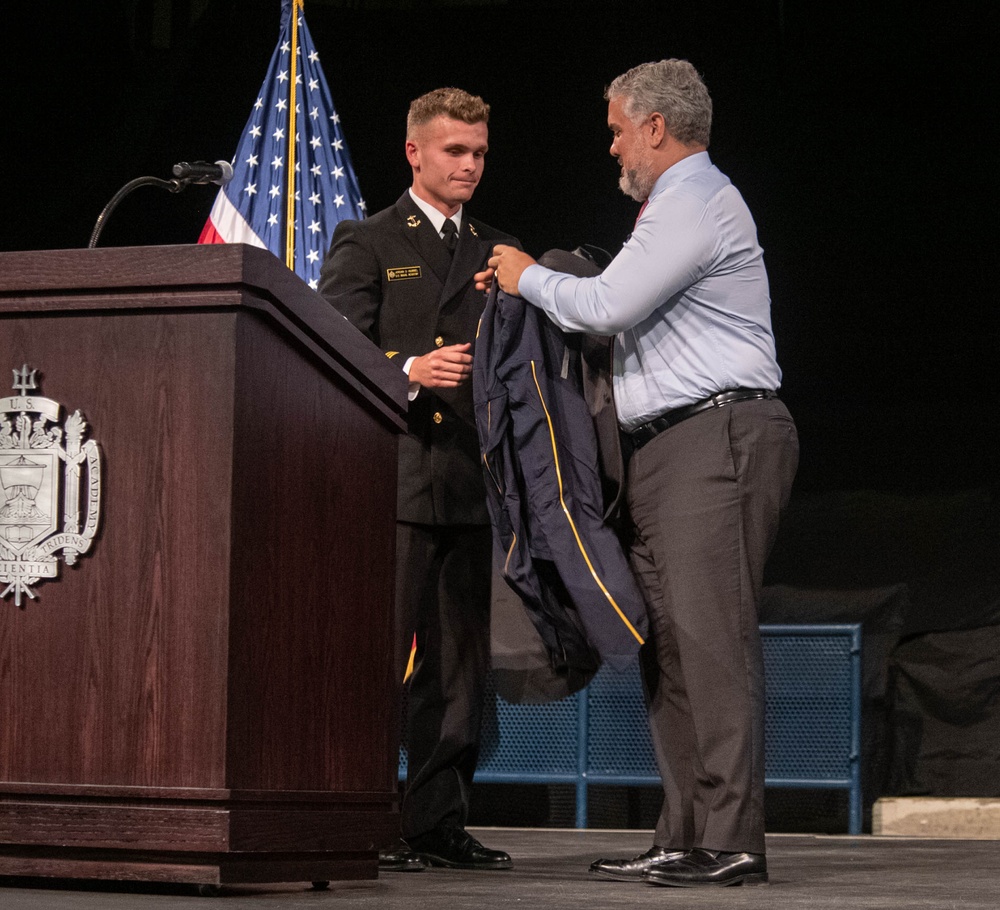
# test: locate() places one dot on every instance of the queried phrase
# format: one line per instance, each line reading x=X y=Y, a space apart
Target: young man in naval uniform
x=404 y=277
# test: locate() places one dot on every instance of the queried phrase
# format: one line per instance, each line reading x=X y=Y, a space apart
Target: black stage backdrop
x=861 y=134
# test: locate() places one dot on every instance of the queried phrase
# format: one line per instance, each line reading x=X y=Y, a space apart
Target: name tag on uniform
x=403 y=273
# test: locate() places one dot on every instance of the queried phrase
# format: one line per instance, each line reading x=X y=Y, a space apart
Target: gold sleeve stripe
x=411 y=661
x=493 y=477
x=391 y=354
x=510 y=552
x=486 y=461
x=569 y=518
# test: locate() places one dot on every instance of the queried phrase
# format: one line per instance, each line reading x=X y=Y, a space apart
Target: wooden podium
x=207 y=695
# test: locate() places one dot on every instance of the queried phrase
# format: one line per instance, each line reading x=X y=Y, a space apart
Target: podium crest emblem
x=44 y=464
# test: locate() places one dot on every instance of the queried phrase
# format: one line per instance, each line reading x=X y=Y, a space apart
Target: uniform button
x=437 y=417
x=439 y=341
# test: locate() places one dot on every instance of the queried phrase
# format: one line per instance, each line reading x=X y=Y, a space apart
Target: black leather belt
x=642 y=434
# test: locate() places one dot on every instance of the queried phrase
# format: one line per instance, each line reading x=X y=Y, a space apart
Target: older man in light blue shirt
x=687 y=297
x=713 y=456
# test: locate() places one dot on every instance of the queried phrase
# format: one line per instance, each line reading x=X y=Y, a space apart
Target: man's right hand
x=443 y=368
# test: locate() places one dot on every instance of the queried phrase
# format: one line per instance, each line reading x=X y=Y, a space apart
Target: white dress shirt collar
x=436 y=217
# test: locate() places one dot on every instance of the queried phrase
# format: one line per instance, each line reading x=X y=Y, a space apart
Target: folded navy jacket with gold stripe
x=543 y=487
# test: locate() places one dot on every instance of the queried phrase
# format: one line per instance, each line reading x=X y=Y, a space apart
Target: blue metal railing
x=600 y=736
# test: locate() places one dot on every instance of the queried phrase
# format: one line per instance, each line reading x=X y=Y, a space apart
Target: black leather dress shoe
x=400 y=859
x=709 y=867
x=631 y=870
x=457 y=849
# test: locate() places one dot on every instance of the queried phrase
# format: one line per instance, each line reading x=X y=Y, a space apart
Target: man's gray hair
x=672 y=88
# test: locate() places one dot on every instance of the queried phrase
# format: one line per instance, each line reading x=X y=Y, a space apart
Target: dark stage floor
x=807 y=873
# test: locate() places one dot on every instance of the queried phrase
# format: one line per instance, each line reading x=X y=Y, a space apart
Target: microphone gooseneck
x=185 y=174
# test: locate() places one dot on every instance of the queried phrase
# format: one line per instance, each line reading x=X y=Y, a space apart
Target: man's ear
x=412 y=153
x=657 y=127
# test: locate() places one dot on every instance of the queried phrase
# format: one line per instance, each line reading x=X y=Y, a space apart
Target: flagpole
x=292 y=104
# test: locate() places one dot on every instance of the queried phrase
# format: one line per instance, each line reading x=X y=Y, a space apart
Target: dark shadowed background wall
x=861 y=134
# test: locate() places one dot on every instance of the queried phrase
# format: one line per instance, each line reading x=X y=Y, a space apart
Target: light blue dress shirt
x=687 y=297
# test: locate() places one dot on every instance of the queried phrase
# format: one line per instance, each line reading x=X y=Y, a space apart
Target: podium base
x=256 y=839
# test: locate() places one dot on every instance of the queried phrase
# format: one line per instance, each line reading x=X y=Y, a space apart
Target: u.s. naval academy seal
x=43 y=463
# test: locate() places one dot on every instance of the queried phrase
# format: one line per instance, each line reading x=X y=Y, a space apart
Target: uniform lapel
x=419 y=231
x=469 y=258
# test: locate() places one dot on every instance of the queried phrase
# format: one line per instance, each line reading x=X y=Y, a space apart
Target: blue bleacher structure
x=600 y=735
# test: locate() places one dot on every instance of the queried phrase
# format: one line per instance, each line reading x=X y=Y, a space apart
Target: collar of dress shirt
x=680 y=171
x=436 y=217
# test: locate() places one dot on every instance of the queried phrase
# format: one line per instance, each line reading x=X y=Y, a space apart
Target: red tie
x=642 y=208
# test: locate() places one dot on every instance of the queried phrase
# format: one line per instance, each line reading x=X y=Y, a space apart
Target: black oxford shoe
x=399 y=859
x=708 y=867
x=631 y=870
x=455 y=848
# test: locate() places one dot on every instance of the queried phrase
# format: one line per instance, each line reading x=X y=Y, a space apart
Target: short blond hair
x=447 y=102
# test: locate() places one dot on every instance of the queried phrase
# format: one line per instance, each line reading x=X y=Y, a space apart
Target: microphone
x=203 y=172
x=184 y=175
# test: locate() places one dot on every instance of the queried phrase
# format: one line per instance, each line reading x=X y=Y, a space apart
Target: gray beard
x=637 y=183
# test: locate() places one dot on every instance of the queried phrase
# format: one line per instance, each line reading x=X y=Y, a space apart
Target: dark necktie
x=450 y=234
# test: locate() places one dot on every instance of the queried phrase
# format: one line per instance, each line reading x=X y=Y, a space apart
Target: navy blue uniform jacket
x=392 y=277
x=544 y=490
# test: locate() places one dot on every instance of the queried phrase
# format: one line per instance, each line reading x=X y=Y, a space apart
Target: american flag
x=254 y=206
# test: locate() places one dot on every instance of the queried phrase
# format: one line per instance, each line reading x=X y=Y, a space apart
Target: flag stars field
x=322 y=164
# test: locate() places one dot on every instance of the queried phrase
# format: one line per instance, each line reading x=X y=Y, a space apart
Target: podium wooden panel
x=207 y=696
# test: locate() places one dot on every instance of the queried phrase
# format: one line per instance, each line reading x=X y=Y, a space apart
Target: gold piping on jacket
x=413 y=659
x=496 y=482
x=569 y=518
